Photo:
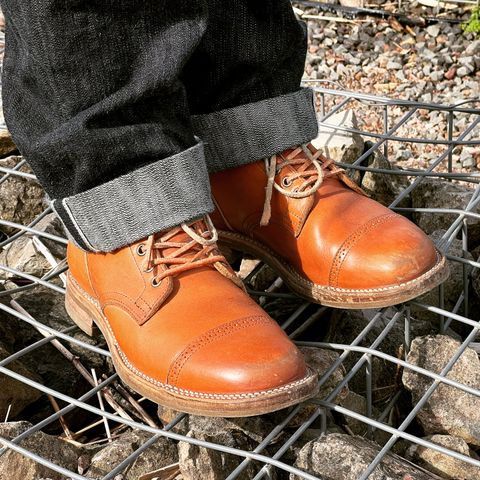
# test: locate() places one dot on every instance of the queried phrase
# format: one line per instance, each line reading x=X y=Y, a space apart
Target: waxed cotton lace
x=311 y=168
x=202 y=244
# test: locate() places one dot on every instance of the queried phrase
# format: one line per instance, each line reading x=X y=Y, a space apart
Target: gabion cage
x=386 y=127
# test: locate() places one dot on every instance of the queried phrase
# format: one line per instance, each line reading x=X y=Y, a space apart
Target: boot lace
x=198 y=249
x=312 y=167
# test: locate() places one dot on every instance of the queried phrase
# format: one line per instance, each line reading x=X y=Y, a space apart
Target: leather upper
x=197 y=330
x=336 y=236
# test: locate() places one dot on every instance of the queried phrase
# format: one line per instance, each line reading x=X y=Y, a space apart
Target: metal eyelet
x=286 y=181
x=154 y=282
x=141 y=250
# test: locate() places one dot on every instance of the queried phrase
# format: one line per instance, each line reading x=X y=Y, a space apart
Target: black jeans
x=123 y=107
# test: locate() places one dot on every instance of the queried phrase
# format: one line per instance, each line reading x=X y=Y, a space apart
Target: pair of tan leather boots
x=180 y=327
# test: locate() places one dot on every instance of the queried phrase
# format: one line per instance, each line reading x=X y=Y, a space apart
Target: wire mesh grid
x=384 y=123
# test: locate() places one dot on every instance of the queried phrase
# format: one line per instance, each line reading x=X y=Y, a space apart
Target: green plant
x=473 y=24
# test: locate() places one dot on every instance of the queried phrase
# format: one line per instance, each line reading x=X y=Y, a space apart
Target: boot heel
x=79 y=311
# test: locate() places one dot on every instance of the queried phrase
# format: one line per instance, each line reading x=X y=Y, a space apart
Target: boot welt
x=86 y=312
x=334 y=296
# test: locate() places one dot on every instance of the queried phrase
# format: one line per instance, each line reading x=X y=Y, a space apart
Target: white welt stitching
x=320 y=288
x=181 y=391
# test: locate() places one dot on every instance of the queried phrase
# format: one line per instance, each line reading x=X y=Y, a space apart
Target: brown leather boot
x=332 y=244
x=181 y=330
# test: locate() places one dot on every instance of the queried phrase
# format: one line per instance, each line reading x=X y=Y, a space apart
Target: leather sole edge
x=339 y=297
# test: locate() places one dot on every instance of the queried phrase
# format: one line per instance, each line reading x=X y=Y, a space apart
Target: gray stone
x=394 y=66
x=433 y=30
x=199 y=462
x=453 y=286
x=345 y=457
x=358 y=404
x=54 y=370
x=436 y=76
x=448 y=410
x=442 y=464
x=21 y=199
x=15 y=395
x=23 y=254
x=321 y=360
x=345 y=326
x=473 y=48
x=436 y=193
x=14 y=466
x=351 y=3
x=463 y=71
x=339 y=145
x=161 y=454
x=382 y=187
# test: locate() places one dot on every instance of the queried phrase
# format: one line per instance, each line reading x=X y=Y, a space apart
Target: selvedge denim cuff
x=155 y=197
x=244 y=134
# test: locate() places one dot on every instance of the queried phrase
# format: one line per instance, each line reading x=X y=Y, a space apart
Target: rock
x=448 y=410
x=321 y=360
x=463 y=71
x=453 y=286
x=15 y=394
x=435 y=193
x=244 y=433
x=48 y=307
x=344 y=457
x=351 y=3
x=473 y=48
x=358 y=404
x=342 y=146
x=394 y=66
x=445 y=465
x=54 y=370
x=382 y=187
x=161 y=454
x=21 y=199
x=6 y=143
x=264 y=278
x=345 y=326
x=436 y=76
x=451 y=72
x=433 y=30
x=15 y=466
x=23 y=255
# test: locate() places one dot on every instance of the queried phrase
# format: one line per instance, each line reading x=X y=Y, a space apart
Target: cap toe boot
x=332 y=244
x=182 y=331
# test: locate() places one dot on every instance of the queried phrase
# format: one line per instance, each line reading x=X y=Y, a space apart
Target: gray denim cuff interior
x=153 y=198
x=247 y=133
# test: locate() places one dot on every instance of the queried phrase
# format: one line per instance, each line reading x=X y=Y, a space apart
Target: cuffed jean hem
x=240 y=135
x=155 y=197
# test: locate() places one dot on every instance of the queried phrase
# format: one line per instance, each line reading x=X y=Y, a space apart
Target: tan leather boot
x=181 y=330
x=332 y=244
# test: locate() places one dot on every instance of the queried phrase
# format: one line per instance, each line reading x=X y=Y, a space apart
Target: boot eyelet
x=286 y=181
x=141 y=250
x=154 y=282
